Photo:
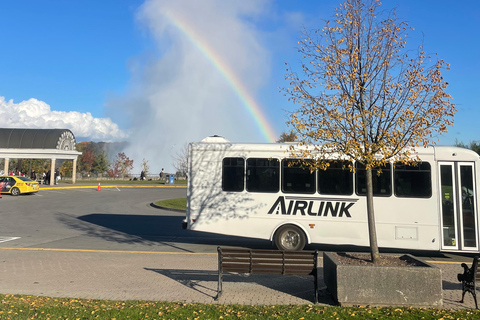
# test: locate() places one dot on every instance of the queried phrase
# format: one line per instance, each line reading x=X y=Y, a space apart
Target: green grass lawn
x=31 y=307
x=180 y=203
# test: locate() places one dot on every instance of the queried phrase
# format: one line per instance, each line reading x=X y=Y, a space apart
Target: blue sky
x=70 y=54
x=121 y=69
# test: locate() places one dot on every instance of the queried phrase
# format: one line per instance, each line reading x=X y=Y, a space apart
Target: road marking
x=110 y=186
x=156 y=252
x=107 y=251
x=5 y=239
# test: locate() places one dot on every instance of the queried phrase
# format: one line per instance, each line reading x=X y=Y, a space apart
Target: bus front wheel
x=290 y=238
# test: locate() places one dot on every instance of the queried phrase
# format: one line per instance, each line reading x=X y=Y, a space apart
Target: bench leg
x=474 y=294
x=220 y=273
x=219 y=287
x=463 y=295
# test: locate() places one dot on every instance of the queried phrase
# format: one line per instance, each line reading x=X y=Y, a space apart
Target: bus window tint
x=337 y=179
x=263 y=175
x=413 y=181
x=382 y=183
x=296 y=177
x=233 y=174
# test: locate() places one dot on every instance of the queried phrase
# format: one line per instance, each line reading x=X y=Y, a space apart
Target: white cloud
x=181 y=95
x=37 y=114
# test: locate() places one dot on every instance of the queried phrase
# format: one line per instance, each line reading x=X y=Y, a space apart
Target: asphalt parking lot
x=112 y=244
x=115 y=218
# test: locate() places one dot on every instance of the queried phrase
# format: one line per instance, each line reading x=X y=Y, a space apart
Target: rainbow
x=246 y=98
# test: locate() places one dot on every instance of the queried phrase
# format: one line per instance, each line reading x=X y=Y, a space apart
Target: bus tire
x=290 y=238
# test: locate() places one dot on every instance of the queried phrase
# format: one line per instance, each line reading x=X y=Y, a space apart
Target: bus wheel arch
x=290 y=237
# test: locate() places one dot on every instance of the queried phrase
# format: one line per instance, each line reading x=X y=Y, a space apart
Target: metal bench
x=267 y=262
x=469 y=278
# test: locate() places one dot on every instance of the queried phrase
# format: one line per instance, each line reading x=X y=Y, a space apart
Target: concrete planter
x=418 y=286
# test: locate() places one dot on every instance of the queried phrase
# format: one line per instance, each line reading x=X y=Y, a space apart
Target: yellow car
x=17 y=185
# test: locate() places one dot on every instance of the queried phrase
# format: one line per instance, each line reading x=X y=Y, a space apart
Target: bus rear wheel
x=290 y=238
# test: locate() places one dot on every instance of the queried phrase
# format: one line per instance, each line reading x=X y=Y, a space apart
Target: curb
x=165 y=208
x=109 y=186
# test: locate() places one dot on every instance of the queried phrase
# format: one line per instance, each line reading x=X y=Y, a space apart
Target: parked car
x=17 y=185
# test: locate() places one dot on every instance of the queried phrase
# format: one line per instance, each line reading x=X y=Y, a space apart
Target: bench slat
x=240 y=250
x=287 y=273
x=274 y=269
x=269 y=264
x=281 y=269
x=274 y=254
x=270 y=261
x=238 y=269
x=300 y=259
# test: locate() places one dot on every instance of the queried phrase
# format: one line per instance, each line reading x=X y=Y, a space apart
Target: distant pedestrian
x=142 y=175
x=57 y=175
x=48 y=177
x=161 y=174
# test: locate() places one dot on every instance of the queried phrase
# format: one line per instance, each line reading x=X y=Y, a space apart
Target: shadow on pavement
x=298 y=286
x=151 y=230
x=448 y=285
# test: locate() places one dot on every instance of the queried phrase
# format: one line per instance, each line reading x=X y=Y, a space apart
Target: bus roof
x=218 y=143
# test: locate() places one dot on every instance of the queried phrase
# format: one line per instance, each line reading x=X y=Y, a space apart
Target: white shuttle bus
x=249 y=190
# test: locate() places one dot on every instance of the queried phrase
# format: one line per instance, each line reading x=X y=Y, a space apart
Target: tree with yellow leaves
x=363 y=96
x=287 y=137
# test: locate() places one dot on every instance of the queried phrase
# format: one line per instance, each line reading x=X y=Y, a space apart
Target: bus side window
x=233 y=174
x=297 y=178
x=337 y=179
x=413 y=181
x=263 y=175
x=382 y=183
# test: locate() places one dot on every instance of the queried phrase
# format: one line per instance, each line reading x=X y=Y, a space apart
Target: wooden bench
x=267 y=262
x=469 y=279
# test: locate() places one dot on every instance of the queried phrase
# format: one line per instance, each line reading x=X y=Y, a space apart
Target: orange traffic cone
x=99 y=188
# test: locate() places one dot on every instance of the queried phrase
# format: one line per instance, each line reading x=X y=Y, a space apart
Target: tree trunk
x=372 y=232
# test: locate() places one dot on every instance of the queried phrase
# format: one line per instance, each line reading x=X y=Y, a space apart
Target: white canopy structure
x=53 y=144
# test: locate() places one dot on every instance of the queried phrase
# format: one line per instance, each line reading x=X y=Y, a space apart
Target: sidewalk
x=164 y=277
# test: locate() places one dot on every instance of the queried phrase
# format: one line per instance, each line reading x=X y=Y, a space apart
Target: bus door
x=458 y=205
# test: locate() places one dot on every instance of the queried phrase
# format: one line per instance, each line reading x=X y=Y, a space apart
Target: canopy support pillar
x=5 y=166
x=74 y=171
x=52 y=172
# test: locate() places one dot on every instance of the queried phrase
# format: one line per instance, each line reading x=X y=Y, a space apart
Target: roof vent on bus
x=214 y=138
